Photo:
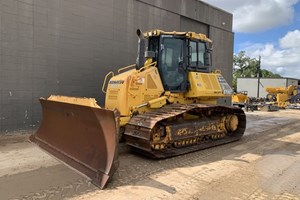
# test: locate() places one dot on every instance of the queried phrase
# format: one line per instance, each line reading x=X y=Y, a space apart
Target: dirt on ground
x=264 y=164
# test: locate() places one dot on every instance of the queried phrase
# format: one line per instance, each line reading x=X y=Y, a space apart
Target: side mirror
x=149 y=54
x=207 y=57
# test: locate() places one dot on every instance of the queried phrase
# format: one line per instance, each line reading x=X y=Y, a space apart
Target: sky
x=267 y=28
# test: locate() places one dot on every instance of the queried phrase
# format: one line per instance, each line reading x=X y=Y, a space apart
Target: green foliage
x=267 y=73
x=244 y=66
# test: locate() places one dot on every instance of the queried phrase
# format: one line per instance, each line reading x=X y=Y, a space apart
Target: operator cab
x=176 y=56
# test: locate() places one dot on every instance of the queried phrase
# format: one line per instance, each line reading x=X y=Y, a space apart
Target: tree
x=267 y=73
x=244 y=66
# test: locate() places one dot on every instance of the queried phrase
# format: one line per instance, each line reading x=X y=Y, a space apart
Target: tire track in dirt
x=135 y=168
x=289 y=183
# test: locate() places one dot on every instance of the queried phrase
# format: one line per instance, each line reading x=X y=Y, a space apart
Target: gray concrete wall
x=66 y=47
x=250 y=85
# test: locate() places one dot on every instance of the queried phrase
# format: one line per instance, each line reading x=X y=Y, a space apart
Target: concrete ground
x=263 y=165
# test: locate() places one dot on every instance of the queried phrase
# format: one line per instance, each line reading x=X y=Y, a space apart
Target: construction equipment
x=281 y=96
x=295 y=97
x=164 y=105
x=239 y=99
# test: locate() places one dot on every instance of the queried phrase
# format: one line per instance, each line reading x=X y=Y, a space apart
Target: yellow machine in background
x=282 y=96
x=164 y=105
x=240 y=99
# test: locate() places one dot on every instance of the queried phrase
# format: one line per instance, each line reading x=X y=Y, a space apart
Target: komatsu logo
x=116 y=82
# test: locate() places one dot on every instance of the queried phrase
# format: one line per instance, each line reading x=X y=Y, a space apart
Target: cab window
x=201 y=52
x=171 y=63
x=193 y=53
x=197 y=52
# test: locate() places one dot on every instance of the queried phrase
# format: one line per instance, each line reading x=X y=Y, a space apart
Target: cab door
x=172 y=63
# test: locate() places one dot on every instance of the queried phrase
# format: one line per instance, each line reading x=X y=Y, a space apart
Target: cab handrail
x=127 y=67
x=105 y=80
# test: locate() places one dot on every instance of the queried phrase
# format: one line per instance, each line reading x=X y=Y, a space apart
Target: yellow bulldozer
x=283 y=96
x=162 y=106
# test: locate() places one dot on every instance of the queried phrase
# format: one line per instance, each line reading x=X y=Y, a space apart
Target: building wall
x=291 y=81
x=251 y=85
x=66 y=47
x=247 y=84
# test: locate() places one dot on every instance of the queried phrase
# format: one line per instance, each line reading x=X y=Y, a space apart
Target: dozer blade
x=85 y=137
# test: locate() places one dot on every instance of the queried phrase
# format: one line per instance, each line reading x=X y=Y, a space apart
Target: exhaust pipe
x=140 y=60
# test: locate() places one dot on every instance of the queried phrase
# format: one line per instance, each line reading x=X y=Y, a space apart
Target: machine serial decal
x=187 y=131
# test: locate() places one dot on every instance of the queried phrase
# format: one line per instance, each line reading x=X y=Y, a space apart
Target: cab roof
x=189 y=34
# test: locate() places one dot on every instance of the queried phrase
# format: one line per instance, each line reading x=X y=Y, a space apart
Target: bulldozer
x=164 y=105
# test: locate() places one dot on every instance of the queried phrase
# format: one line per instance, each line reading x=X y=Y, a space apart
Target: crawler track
x=168 y=131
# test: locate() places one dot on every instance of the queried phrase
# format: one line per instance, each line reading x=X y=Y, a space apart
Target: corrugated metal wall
x=67 y=46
